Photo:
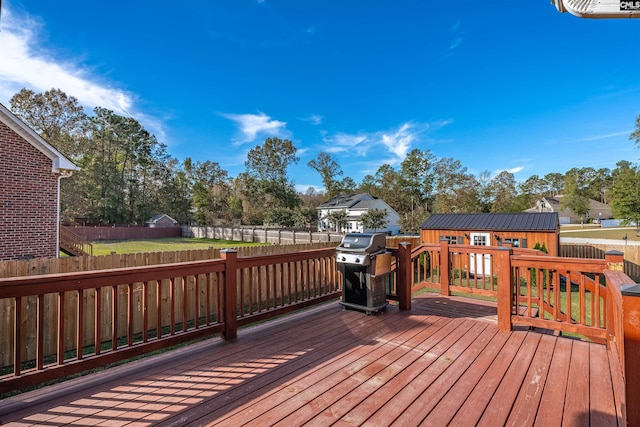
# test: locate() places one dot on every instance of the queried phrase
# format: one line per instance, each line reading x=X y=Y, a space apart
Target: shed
x=522 y=229
x=162 y=220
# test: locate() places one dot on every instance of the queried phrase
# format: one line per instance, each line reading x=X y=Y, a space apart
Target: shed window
x=515 y=242
x=453 y=240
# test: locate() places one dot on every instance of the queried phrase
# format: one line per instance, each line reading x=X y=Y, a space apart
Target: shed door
x=480 y=264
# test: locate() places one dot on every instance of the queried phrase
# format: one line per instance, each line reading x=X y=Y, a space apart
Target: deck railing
x=588 y=297
x=122 y=313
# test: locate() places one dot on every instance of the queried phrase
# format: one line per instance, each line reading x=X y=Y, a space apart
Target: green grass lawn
x=161 y=245
x=599 y=233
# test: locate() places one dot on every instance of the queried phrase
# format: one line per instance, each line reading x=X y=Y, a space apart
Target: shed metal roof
x=521 y=221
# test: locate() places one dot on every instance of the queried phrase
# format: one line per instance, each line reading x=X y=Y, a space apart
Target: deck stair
x=74 y=245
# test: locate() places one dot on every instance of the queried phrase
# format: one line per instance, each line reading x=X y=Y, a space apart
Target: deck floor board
x=443 y=363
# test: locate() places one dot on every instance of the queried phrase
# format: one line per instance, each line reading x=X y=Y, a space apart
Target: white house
x=354 y=205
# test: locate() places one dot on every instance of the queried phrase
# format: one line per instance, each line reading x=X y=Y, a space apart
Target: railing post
x=505 y=288
x=444 y=267
x=614 y=260
x=230 y=304
x=404 y=277
x=631 y=328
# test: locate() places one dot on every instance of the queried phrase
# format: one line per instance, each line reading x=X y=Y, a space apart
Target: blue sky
x=501 y=85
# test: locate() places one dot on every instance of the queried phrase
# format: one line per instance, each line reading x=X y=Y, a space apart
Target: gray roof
x=521 y=221
x=345 y=201
x=158 y=216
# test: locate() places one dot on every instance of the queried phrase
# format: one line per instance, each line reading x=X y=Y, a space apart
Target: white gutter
x=62 y=174
x=601 y=9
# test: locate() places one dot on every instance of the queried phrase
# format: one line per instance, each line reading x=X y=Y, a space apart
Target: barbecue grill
x=364 y=262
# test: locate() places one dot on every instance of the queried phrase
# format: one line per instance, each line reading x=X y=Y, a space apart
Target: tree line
x=127 y=176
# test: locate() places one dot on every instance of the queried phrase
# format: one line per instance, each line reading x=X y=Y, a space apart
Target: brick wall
x=28 y=200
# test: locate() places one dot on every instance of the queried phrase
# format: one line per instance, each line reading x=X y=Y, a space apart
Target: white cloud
x=513 y=170
x=344 y=142
x=314 y=119
x=23 y=64
x=396 y=143
x=252 y=125
x=400 y=141
x=606 y=136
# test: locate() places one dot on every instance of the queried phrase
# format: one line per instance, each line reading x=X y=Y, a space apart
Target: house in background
x=520 y=230
x=354 y=205
x=162 y=221
x=30 y=174
x=597 y=210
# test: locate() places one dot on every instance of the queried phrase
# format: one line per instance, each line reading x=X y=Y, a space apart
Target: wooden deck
x=443 y=363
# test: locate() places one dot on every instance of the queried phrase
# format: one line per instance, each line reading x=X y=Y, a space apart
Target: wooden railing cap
x=631 y=290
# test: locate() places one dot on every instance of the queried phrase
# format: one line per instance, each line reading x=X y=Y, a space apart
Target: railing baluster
x=80 y=325
x=196 y=302
x=159 y=306
x=40 y=332
x=97 y=326
x=207 y=295
x=251 y=288
x=60 y=335
x=259 y=284
x=130 y=315
x=145 y=311
x=185 y=304
x=596 y=310
x=172 y=304
x=17 y=337
x=114 y=318
x=568 y=290
x=241 y=290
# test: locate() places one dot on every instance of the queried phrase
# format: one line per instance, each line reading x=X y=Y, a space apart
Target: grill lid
x=363 y=242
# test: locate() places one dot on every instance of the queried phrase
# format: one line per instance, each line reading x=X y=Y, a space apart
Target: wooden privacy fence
x=575 y=248
x=39 y=266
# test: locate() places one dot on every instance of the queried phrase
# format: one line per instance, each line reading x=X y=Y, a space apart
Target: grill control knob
x=357 y=259
x=344 y=258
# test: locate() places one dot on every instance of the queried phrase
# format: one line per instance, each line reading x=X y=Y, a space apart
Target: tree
x=416 y=180
x=503 y=192
x=373 y=219
x=211 y=191
x=305 y=217
x=410 y=222
x=635 y=135
x=119 y=173
x=530 y=191
x=266 y=175
x=625 y=192
x=329 y=169
x=56 y=117
x=337 y=218
x=554 y=183
x=576 y=191
x=484 y=191
x=60 y=121
x=456 y=190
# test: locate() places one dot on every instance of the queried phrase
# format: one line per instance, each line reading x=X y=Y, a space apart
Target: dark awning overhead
x=521 y=221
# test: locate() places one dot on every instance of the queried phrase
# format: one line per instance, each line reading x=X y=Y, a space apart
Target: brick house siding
x=28 y=200
x=29 y=173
